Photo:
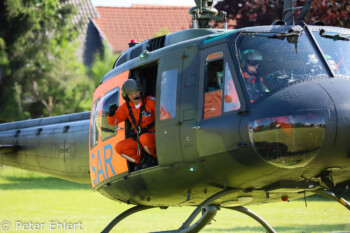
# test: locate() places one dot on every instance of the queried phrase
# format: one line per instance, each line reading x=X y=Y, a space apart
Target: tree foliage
x=103 y=63
x=331 y=12
x=243 y=13
x=40 y=74
x=162 y=32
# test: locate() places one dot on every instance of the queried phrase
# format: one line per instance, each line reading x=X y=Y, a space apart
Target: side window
x=168 y=94
x=213 y=85
x=93 y=126
x=218 y=84
x=111 y=97
x=231 y=101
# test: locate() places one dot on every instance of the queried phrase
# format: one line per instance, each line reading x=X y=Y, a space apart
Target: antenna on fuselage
x=204 y=12
x=288 y=11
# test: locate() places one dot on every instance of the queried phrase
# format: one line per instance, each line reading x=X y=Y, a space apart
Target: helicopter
x=229 y=139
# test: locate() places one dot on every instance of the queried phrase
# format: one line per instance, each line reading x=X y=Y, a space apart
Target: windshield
x=336 y=49
x=271 y=60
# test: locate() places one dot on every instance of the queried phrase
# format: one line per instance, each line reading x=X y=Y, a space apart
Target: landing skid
x=185 y=228
x=209 y=211
x=253 y=215
x=123 y=215
x=208 y=214
x=331 y=195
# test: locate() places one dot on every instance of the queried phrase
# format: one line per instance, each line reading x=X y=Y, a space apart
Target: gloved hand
x=112 y=108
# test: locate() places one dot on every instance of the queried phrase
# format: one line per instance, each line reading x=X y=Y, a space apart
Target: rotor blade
x=287 y=12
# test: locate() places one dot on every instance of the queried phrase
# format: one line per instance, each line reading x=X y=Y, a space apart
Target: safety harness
x=138 y=130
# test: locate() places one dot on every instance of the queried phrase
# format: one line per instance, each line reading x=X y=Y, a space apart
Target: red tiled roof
x=119 y=25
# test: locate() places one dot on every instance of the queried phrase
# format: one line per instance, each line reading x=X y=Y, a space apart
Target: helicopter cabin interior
x=187 y=98
x=194 y=88
x=146 y=76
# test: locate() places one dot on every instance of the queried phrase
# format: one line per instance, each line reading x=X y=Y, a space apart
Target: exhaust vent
x=122 y=60
x=155 y=43
x=136 y=52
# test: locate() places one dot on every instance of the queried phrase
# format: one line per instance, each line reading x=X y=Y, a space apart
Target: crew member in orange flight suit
x=141 y=113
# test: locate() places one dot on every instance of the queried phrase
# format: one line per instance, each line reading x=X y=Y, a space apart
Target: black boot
x=150 y=161
x=137 y=166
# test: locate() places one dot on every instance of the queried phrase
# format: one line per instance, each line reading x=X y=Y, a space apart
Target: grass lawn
x=30 y=198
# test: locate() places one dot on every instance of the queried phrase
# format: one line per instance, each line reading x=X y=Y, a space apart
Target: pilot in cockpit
x=251 y=60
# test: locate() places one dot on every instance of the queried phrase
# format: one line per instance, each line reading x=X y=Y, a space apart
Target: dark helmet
x=129 y=86
x=251 y=57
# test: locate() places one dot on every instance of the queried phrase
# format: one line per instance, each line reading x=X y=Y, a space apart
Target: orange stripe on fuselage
x=104 y=160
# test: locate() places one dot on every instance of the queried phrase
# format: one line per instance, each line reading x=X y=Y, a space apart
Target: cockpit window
x=336 y=49
x=106 y=130
x=271 y=60
x=94 y=126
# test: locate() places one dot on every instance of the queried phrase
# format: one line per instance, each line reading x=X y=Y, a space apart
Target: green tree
x=162 y=32
x=39 y=71
x=102 y=64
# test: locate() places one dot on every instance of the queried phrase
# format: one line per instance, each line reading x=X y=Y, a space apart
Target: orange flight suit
x=212 y=104
x=128 y=147
x=254 y=88
x=164 y=115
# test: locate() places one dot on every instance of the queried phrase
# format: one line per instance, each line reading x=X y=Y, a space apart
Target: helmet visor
x=253 y=62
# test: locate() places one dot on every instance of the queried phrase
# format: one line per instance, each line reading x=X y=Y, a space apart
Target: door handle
x=196 y=127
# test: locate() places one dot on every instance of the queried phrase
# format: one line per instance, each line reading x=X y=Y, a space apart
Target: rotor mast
x=288 y=11
x=203 y=12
